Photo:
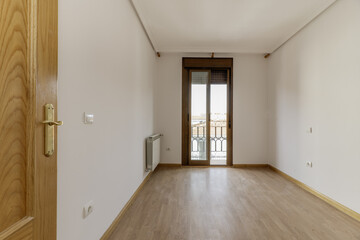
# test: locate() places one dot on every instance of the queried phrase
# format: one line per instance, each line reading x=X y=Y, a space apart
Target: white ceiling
x=236 y=26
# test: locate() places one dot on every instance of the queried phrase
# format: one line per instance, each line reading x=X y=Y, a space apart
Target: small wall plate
x=88 y=118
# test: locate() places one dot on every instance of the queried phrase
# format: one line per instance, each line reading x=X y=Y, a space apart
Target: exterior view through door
x=202 y=119
x=209 y=116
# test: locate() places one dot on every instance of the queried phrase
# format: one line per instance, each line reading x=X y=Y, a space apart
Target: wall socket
x=309 y=164
x=88 y=209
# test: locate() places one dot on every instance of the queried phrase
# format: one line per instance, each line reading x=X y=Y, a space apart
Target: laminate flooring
x=228 y=204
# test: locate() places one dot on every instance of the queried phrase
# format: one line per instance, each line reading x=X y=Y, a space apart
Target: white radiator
x=152 y=152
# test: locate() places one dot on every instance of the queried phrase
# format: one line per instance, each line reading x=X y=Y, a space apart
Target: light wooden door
x=28 y=80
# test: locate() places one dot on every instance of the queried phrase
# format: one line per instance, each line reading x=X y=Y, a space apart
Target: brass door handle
x=54 y=123
x=49 y=125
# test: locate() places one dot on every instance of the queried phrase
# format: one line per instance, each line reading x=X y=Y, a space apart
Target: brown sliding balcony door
x=207 y=112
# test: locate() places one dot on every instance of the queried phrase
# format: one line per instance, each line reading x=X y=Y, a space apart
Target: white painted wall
x=250 y=107
x=106 y=67
x=314 y=81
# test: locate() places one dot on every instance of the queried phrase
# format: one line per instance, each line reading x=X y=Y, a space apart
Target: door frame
x=189 y=64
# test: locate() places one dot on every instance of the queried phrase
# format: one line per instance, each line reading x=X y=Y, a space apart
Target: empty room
x=179 y=119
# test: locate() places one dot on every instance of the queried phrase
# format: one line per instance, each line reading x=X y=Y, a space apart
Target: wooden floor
x=229 y=203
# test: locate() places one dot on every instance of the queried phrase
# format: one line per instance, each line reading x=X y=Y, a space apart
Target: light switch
x=88 y=118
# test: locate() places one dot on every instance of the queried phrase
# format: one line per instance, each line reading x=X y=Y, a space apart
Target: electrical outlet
x=309 y=164
x=88 y=209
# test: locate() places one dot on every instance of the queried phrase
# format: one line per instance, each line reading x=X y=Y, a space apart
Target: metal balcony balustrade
x=217 y=141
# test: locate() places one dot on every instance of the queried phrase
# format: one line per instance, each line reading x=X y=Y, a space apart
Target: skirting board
x=323 y=197
x=234 y=165
x=177 y=165
x=250 y=165
x=205 y=166
x=169 y=165
x=113 y=225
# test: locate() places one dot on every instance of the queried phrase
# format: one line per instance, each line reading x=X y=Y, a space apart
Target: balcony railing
x=217 y=141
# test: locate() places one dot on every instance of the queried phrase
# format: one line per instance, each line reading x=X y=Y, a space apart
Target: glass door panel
x=218 y=124
x=199 y=116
